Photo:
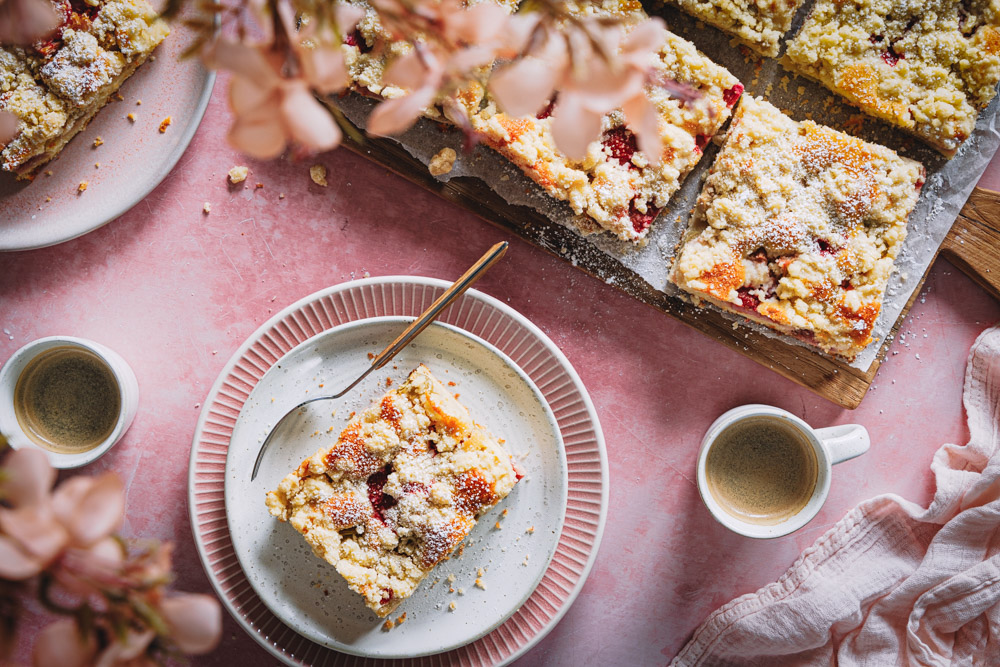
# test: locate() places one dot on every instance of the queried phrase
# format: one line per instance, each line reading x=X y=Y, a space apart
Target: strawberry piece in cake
x=928 y=67
x=798 y=227
x=400 y=489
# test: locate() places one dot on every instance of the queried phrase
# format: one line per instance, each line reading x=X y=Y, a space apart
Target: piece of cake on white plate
x=398 y=492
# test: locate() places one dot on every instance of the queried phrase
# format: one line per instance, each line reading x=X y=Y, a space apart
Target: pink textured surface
x=175 y=292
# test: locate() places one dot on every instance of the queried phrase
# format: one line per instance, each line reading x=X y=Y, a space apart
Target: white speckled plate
x=306 y=592
x=526 y=346
x=134 y=158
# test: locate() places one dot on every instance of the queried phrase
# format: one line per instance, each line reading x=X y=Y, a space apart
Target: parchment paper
x=949 y=182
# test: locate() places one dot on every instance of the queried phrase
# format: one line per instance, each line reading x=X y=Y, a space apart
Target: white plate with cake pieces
x=106 y=110
x=411 y=516
x=294 y=603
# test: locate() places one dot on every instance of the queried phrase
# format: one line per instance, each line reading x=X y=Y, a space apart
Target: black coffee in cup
x=67 y=400
x=762 y=470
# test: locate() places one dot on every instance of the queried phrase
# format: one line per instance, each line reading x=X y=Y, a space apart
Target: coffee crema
x=762 y=470
x=67 y=400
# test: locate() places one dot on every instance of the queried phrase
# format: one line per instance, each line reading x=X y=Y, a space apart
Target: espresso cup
x=763 y=472
x=69 y=397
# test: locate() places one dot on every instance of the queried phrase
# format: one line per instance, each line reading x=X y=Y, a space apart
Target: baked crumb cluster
x=55 y=87
x=927 y=66
x=760 y=24
x=797 y=228
x=402 y=486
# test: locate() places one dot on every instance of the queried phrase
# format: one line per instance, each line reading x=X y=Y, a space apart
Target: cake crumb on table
x=480 y=584
x=452 y=606
x=98 y=141
x=131 y=117
x=82 y=187
x=442 y=162
x=238 y=174
x=317 y=173
x=401 y=619
x=387 y=625
x=207 y=208
x=165 y=123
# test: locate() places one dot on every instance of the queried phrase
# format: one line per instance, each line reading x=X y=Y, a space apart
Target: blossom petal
x=120 y=652
x=324 y=69
x=15 y=564
x=476 y=24
x=23 y=22
x=645 y=40
x=517 y=32
x=574 y=127
x=395 y=115
x=262 y=137
x=242 y=59
x=97 y=512
x=36 y=530
x=195 y=622
x=347 y=16
x=60 y=645
x=603 y=89
x=408 y=72
x=307 y=121
x=10 y=125
x=524 y=87
x=644 y=121
x=28 y=477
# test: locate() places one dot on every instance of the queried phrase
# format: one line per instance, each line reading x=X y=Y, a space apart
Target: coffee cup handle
x=844 y=442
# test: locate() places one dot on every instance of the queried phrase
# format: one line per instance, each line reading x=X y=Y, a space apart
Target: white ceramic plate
x=497 y=324
x=134 y=158
x=306 y=592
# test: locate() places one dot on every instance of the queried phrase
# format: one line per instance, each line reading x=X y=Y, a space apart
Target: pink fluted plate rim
x=478 y=314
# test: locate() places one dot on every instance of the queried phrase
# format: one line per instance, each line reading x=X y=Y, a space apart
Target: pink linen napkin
x=891 y=583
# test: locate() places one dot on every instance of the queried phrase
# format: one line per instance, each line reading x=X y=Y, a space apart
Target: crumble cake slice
x=798 y=227
x=926 y=66
x=615 y=188
x=57 y=86
x=402 y=486
x=760 y=24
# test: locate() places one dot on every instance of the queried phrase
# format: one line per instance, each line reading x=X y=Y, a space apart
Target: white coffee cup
x=830 y=445
x=128 y=393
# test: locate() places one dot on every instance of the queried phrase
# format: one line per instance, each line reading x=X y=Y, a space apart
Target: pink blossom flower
x=41 y=525
x=596 y=69
x=459 y=40
x=9 y=127
x=23 y=22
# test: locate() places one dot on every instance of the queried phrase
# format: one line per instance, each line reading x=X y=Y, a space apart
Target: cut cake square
x=56 y=87
x=400 y=489
x=927 y=66
x=760 y=24
x=798 y=227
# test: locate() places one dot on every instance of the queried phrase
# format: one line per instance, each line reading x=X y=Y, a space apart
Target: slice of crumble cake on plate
x=927 y=66
x=397 y=493
x=798 y=227
x=57 y=86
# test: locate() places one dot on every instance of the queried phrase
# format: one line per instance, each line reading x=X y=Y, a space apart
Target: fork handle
x=474 y=273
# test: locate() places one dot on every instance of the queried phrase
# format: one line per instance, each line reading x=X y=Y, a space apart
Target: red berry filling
x=380 y=500
x=891 y=57
x=518 y=473
x=387 y=598
x=621 y=144
x=641 y=221
x=731 y=95
x=416 y=487
x=547 y=111
x=824 y=247
x=748 y=300
x=355 y=38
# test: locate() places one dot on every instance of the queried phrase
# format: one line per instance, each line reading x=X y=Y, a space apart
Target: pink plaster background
x=176 y=291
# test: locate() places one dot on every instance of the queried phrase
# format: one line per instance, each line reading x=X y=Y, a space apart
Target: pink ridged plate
x=478 y=314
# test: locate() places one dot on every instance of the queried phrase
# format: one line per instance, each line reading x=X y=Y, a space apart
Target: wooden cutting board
x=973 y=245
